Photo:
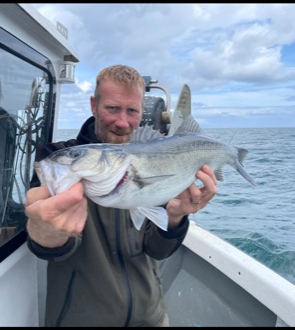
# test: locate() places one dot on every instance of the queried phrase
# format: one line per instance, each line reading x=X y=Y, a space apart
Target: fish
x=143 y=174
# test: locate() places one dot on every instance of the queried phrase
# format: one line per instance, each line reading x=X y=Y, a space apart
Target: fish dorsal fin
x=184 y=101
x=182 y=109
x=146 y=133
x=242 y=153
x=189 y=124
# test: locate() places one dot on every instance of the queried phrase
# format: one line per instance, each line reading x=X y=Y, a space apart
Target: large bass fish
x=143 y=174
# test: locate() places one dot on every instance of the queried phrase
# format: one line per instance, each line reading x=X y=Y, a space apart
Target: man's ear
x=92 y=104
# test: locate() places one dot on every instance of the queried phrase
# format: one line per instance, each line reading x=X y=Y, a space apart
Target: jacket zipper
x=123 y=265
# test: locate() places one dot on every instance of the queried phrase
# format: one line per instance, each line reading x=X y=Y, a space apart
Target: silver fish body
x=143 y=174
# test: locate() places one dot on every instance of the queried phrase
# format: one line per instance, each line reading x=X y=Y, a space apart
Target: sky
x=237 y=59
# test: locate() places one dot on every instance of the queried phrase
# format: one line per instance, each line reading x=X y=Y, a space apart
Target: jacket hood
x=87 y=132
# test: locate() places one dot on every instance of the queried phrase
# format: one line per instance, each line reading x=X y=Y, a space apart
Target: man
x=102 y=271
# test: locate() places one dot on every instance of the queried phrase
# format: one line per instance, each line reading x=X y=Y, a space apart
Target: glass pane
x=23 y=106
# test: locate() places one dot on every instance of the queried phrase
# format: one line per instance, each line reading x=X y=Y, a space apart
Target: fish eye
x=75 y=153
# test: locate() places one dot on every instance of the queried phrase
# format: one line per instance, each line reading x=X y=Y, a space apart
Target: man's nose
x=122 y=119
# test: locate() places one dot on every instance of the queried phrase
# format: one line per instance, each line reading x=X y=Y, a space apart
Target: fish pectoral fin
x=152 y=179
x=157 y=214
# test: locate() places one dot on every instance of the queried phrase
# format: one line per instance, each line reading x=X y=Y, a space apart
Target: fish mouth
x=50 y=174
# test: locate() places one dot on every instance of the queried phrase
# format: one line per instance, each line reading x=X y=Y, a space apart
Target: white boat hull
x=209 y=282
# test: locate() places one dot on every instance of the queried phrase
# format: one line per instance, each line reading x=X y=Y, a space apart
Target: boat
x=207 y=282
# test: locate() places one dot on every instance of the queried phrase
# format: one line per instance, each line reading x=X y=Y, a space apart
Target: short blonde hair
x=122 y=74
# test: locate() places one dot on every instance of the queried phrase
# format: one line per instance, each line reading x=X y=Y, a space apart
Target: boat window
x=24 y=108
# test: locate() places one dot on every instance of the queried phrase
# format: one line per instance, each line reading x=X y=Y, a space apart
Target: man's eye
x=133 y=111
x=112 y=109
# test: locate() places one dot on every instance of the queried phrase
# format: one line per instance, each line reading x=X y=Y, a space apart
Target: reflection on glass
x=23 y=94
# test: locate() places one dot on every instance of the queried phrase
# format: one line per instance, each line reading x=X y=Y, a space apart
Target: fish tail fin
x=242 y=153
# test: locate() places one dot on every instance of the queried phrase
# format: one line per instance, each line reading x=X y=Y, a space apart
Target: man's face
x=117 y=112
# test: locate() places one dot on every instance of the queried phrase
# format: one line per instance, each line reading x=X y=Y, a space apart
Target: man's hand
x=193 y=198
x=53 y=219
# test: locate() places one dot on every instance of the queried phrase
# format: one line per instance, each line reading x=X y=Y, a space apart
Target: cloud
x=235 y=56
x=85 y=86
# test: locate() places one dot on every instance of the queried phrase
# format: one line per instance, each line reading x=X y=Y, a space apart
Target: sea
x=259 y=220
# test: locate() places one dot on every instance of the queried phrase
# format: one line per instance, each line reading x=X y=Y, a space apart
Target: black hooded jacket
x=108 y=275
